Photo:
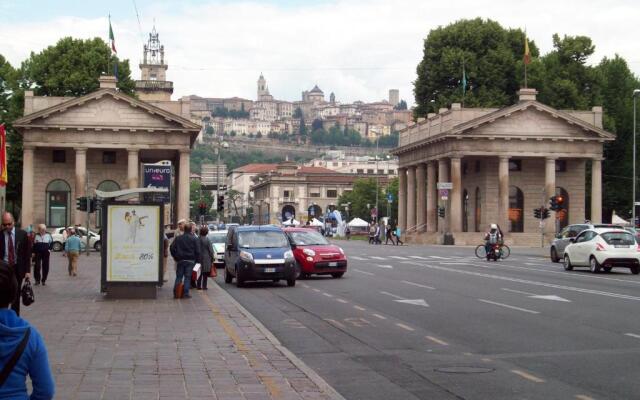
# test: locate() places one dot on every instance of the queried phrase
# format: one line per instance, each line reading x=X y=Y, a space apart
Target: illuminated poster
x=133 y=252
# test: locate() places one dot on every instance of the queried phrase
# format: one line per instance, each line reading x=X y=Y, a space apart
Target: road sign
x=444 y=194
x=445 y=185
x=390 y=197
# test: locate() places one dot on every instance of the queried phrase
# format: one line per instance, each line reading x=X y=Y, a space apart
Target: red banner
x=3 y=156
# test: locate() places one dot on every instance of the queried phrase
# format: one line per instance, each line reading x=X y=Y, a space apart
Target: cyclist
x=494 y=236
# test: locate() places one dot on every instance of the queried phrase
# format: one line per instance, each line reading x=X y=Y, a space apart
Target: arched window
x=465 y=211
x=58 y=204
x=516 y=208
x=562 y=216
x=105 y=186
x=288 y=212
x=478 y=213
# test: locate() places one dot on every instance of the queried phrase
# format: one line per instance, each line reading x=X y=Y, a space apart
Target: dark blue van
x=258 y=253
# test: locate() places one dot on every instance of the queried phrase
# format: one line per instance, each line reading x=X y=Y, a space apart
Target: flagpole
x=109 y=54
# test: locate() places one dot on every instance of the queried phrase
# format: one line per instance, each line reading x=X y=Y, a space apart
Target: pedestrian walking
x=376 y=235
x=347 y=232
x=398 y=232
x=15 y=251
x=42 y=250
x=185 y=251
x=72 y=248
x=22 y=350
x=180 y=229
x=389 y=234
x=372 y=232
x=165 y=256
x=206 y=258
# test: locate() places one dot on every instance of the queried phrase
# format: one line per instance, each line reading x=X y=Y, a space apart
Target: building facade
x=501 y=163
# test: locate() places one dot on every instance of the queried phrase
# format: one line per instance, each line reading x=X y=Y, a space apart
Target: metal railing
x=415 y=228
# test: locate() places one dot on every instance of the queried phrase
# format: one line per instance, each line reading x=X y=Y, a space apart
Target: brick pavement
x=200 y=348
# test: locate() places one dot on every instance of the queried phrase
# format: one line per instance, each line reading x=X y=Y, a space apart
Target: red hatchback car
x=314 y=254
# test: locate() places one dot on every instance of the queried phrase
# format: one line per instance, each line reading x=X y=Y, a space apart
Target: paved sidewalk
x=207 y=347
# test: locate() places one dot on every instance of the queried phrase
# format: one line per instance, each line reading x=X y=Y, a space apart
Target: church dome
x=316 y=89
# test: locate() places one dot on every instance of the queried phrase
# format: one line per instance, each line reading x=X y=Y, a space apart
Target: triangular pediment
x=107 y=109
x=532 y=120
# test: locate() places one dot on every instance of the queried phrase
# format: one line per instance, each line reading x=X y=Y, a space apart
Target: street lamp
x=377 y=180
x=633 y=204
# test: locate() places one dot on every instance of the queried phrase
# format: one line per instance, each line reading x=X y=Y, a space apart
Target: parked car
x=603 y=248
x=255 y=253
x=634 y=231
x=563 y=238
x=58 y=238
x=218 y=239
x=314 y=254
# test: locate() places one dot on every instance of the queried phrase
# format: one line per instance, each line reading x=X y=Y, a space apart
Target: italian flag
x=112 y=39
x=527 y=55
x=3 y=156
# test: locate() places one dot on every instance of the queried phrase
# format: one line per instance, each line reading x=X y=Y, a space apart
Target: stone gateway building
x=98 y=140
x=502 y=164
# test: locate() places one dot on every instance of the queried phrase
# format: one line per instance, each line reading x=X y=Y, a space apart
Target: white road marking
x=406 y=327
x=584 y=397
x=327 y=294
x=415 y=302
x=358 y=258
x=342 y=301
x=360 y=308
x=552 y=297
x=305 y=286
x=633 y=335
x=393 y=295
x=527 y=376
x=336 y=323
x=436 y=340
x=518 y=291
x=384 y=266
x=534 y=283
x=418 y=285
x=441 y=258
x=317 y=290
x=453 y=263
x=399 y=257
x=418 y=257
x=377 y=258
x=508 y=306
x=379 y=316
x=363 y=272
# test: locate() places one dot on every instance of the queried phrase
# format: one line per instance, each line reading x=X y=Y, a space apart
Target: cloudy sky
x=358 y=49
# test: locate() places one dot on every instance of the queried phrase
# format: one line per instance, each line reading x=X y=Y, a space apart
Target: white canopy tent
x=619 y=221
x=291 y=222
x=358 y=223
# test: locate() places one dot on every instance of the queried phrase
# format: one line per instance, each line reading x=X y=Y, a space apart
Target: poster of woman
x=133 y=243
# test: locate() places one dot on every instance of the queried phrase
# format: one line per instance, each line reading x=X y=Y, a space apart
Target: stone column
x=402 y=198
x=432 y=215
x=132 y=168
x=596 y=191
x=27 y=186
x=183 y=188
x=503 y=193
x=421 y=202
x=550 y=191
x=443 y=176
x=411 y=197
x=81 y=181
x=456 y=195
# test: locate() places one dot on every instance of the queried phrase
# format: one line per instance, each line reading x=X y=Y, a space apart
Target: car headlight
x=246 y=256
x=309 y=252
x=288 y=255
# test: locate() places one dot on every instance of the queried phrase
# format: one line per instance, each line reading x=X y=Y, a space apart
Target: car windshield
x=621 y=238
x=307 y=238
x=262 y=239
x=217 y=237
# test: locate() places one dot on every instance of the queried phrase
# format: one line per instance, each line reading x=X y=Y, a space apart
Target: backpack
x=493 y=238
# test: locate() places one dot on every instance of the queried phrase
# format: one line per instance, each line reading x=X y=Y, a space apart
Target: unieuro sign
x=157 y=176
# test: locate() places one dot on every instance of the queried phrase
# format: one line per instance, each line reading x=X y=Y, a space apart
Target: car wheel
x=337 y=274
x=239 y=281
x=607 y=269
x=594 y=266
x=567 y=263
x=227 y=276
x=635 y=270
x=554 y=255
x=291 y=282
x=57 y=246
x=305 y=275
x=97 y=246
x=298 y=270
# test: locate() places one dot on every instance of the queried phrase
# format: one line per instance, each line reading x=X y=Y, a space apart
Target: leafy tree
x=11 y=102
x=297 y=113
x=316 y=124
x=363 y=198
x=259 y=135
x=233 y=114
x=72 y=68
x=198 y=195
x=402 y=105
x=490 y=55
x=209 y=130
x=234 y=198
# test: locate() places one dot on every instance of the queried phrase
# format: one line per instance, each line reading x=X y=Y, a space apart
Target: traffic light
x=93 y=204
x=557 y=202
x=441 y=212
x=553 y=204
x=220 y=203
x=545 y=213
x=536 y=213
x=81 y=203
x=202 y=207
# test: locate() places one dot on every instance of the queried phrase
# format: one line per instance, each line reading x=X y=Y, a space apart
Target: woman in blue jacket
x=33 y=361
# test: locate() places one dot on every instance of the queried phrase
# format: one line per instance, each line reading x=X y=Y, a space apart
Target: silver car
x=563 y=239
x=218 y=239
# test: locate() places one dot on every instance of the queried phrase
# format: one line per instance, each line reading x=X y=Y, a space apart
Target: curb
x=310 y=373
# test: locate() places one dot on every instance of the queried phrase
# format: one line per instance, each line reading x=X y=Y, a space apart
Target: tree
x=209 y=130
x=259 y=135
x=363 y=194
x=297 y=113
x=233 y=198
x=490 y=55
x=198 y=195
x=316 y=124
x=402 y=105
x=72 y=68
x=11 y=103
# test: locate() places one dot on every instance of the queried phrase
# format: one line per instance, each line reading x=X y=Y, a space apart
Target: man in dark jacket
x=15 y=251
x=185 y=251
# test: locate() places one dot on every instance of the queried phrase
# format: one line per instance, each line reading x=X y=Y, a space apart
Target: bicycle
x=504 y=252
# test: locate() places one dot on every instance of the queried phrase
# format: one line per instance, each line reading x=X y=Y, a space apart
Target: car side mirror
x=558 y=236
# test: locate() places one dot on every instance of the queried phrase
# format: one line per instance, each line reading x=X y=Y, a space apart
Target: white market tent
x=619 y=221
x=358 y=223
x=291 y=222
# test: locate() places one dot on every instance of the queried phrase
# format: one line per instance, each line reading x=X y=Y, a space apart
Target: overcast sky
x=358 y=49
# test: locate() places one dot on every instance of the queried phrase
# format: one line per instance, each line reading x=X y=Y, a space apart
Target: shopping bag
x=196 y=269
x=27 y=293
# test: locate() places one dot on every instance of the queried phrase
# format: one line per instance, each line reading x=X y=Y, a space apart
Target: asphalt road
x=434 y=322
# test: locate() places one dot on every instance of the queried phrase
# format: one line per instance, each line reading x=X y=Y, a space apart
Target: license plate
x=269 y=270
x=621 y=246
x=333 y=264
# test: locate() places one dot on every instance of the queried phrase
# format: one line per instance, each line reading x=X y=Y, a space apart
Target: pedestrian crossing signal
x=441 y=212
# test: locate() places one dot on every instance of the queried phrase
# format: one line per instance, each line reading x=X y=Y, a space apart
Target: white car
x=602 y=249
x=218 y=239
x=58 y=239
